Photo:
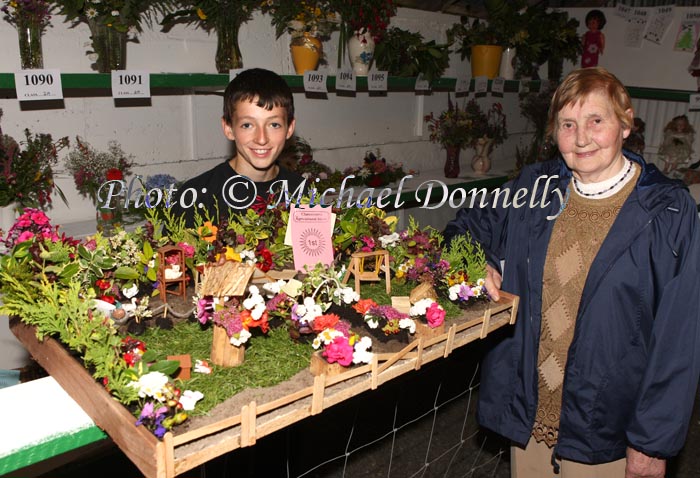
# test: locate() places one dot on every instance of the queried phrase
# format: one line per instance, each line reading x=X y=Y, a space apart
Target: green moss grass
x=269 y=359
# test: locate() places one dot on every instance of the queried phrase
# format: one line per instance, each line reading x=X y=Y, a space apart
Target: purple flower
x=146 y=413
x=465 y=292
x=205 y=309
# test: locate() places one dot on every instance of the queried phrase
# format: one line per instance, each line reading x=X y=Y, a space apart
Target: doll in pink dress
x=593 y=39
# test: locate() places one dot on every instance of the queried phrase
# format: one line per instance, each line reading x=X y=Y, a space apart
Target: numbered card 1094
x=38 y=85
x=312 y=240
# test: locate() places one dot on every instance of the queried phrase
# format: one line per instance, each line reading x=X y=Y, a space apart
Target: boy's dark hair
x=597 y=15
x=267 y=86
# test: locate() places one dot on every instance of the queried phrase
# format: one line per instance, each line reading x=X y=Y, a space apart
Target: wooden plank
x=137 y=443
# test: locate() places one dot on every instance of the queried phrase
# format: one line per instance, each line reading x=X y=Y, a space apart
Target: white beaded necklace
x=609 y=186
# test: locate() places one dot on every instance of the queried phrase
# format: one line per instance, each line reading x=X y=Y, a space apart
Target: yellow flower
x=232 y=255
x=201 y=14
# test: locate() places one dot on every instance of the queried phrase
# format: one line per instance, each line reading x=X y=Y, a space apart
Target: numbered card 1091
x=33 y=85
x=131 y=84
x=312 y=240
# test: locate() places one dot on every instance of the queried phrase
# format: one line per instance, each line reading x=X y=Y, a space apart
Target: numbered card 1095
x=377 y=80
x=32 y=85
x=311 y=230
x=131 y=84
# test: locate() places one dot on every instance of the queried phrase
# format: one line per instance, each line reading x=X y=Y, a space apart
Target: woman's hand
x=640 y=465
x=493 y=283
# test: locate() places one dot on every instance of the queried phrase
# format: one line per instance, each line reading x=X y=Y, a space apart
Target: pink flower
x=435 y=315
x=339 y=351
x=24 y=236
x=39 y=218
x=188 y=250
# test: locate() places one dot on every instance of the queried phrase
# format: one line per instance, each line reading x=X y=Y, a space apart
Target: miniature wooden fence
x=176 y=454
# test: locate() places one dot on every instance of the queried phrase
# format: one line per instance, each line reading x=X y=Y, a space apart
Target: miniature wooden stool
x=357 y=268
x=163 y=281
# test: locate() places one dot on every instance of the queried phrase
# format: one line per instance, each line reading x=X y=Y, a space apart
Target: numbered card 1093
x=312 y=240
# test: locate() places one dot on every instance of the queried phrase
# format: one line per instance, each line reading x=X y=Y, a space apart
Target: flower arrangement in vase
x=224 y=17
x=91 y=169
x=30 y=18
x=308 y=23
x=110 y=22
x=26 y=169
x=457 y=128
x=363 y=24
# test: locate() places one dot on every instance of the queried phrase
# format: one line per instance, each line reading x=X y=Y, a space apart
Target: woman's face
x=589 y=136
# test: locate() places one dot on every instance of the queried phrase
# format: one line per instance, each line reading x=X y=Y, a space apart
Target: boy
x=259 y=118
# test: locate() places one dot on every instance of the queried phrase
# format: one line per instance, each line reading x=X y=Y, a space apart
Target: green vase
x=109 y=45
x=30 y=51
x=228 y=53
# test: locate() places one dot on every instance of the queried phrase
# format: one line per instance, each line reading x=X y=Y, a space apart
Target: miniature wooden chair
x=357 y=268
x=180 y=281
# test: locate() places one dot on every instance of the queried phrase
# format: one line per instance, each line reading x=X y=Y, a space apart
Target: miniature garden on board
x=176 y=323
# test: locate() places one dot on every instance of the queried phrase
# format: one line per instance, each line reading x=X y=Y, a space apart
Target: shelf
x=207 y=81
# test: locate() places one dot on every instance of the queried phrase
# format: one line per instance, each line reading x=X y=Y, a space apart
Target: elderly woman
x=598 y=377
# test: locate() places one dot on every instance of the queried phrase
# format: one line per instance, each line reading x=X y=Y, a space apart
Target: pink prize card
x=311 y=230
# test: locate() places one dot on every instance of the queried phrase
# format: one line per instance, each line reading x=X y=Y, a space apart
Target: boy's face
x=260 y=136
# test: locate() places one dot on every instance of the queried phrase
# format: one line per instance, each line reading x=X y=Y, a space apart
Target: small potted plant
x=404 y=53
x=483 y=43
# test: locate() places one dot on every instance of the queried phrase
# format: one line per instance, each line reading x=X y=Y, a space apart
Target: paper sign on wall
x=661 y=18
x=131 y=84
x=315 y=82
x=462 y=84
x=312 y=241
x=38 y=85
x=481 y=84
x=345 y=80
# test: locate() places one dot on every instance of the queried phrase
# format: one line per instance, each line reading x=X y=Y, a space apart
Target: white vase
x=361 y=51
x=481 y=162
x=507 y=70
x=8 y=216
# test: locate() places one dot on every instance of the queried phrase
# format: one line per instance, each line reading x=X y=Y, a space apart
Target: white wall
x=181 y=135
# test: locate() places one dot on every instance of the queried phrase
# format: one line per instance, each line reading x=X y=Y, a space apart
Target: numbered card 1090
x=311 y=231
x=131 y=84
x=32 y=85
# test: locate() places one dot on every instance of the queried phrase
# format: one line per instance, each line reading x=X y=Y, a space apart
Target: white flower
x=189 y=399
x=372 y=323
x=115 y=13
x=242 y=338
x=347 y=294
x=420 y=307
x=253 y=289
x=409 y=324
x=91 y=13
x=364 y=344
x=325 y=337
x=253 y=301
x=151 y=264
x=272 y=288
x=130 y=292
x=151 y=384
x=296 y=25
x=454 y=290
x=247 y=255
x=389 y=240
x=361 y=356
x=258 y=311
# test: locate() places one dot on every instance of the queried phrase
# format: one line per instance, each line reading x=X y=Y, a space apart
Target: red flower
x=265 y=260
x=259 y=205
x=107 y=298
x=114 y=174
x=103 y=284
x=326 y=321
